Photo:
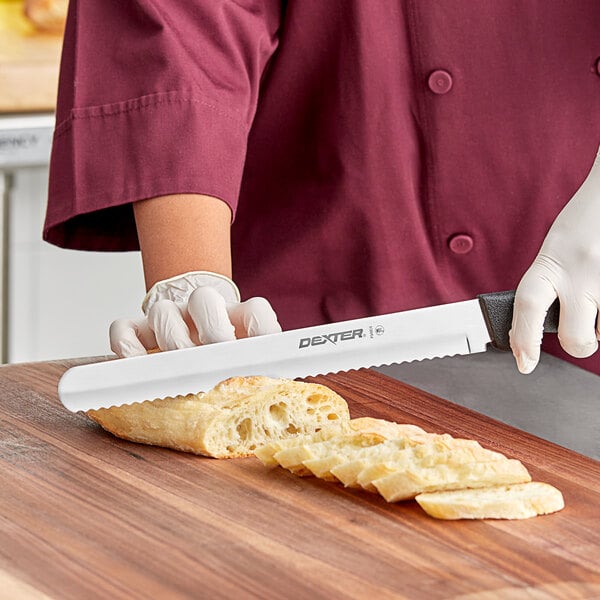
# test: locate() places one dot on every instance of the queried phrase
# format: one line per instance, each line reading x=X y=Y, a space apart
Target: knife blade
x=465 y=327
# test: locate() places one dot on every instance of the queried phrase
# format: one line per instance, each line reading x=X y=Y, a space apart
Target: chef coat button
x=461 y=243
x=440 y=82
x=598 y=66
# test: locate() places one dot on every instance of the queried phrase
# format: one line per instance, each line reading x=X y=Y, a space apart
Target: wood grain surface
x=86 y=515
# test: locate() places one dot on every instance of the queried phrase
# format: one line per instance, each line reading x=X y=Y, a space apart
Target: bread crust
x=231 y=420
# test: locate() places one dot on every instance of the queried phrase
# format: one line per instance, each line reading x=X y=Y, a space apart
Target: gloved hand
x=189 y=310
x=567 y=267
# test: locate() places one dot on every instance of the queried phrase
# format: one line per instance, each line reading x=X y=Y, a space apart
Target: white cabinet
x=60 y=302
x=54 y=303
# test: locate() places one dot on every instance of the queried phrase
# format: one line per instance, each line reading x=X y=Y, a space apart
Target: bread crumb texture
x=232 y=420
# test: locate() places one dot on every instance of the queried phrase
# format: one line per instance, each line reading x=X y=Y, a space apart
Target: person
x=341 y=159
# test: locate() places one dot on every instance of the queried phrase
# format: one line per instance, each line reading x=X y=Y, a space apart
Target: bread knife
x=465 y=327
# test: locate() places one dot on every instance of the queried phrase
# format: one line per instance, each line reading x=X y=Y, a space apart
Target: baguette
x=231 y=420
x=518 y=501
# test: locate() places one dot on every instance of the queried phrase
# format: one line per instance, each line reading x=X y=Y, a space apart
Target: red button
x=598 y=66
x=440 y=82
x=461 y=243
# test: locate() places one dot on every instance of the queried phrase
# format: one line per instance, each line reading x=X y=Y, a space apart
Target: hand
x=567 y=267
x=189 y=310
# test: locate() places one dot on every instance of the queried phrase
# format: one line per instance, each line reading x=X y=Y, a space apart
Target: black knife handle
x=497 y=309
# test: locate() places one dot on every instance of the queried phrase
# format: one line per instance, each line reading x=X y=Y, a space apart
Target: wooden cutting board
x=29 y=63
x=85 y=515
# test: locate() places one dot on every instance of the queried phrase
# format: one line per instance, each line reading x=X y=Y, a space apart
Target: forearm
x=182 y=233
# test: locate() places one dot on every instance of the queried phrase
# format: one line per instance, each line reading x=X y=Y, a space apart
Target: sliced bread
x=367 y=425
x=406 y=484
x=453 y=451
x=388 y=458
x=517 y=501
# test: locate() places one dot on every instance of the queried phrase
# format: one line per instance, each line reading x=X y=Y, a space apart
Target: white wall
x=61 y=302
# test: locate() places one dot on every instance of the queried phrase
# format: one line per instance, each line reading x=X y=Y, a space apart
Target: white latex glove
x=189 y=310
x=567 y=267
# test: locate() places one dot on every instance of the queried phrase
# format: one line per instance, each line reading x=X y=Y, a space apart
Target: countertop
x=559 y=401
x=86 y=515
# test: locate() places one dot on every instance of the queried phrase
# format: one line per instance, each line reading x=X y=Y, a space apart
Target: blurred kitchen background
x=58 y=303
x=54 y=303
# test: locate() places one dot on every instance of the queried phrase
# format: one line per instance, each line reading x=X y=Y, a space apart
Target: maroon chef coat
x=379 y=155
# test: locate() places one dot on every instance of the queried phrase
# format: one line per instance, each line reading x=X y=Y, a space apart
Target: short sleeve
x=155 y=97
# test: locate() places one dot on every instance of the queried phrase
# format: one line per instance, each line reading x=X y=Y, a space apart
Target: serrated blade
x=436 y=331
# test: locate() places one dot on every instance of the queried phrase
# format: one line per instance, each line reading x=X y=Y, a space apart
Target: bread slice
x=390 y=430
x=517 y=501
x=387 y=459
x=316 y=458
x=337 y=459
x=231 y=420
x=425 y=456
x=293 y=458
x=322 y=467
x=387 y=429
x=408 y=483
x=266 y=452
